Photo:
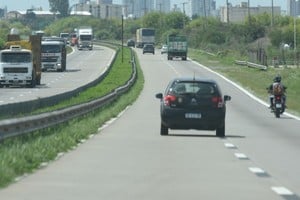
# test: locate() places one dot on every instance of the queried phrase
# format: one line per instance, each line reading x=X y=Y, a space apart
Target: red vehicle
x=74 y=39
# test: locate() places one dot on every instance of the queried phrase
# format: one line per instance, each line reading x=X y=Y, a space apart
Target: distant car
x=193 y=103
x=130 y=43
x=148 y=48
x=164 y=49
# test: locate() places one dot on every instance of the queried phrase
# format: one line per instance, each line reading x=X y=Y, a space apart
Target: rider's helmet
x=277 y=79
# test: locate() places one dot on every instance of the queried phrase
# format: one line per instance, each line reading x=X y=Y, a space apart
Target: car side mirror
x=227 y=98
x=159 y=96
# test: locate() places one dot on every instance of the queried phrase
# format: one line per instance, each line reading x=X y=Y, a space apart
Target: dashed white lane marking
x=173 y=68
x=256 y=170
x=241 y=156
x=282 y=191
x=230 y=146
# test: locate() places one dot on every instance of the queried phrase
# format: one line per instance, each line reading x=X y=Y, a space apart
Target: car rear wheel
x=164 y=130
x=220 y=131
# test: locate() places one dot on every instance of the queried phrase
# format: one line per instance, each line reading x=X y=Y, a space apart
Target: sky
x=25 y=4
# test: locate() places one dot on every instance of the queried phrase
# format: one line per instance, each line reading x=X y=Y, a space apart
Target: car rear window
x=198 y=88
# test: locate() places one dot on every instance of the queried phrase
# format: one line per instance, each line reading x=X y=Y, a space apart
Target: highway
x=82 y=68
x=129 y=160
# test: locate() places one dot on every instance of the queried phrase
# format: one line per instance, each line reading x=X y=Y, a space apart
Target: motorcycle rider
x=276 y=88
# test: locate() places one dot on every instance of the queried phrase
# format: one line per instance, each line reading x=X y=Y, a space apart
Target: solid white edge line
x=282 y=191
x=243 y=90
x=109 y=122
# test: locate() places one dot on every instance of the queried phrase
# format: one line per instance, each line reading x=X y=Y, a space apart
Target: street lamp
x=272 y=18
x=227 y=11
x=295 y=35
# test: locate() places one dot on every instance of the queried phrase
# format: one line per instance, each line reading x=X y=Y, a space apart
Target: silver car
x=164 y=49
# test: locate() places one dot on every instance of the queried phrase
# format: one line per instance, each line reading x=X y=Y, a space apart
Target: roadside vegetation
x=25 y=154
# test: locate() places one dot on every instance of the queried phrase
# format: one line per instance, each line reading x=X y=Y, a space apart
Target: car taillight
x=169 y=99
x=217 y=101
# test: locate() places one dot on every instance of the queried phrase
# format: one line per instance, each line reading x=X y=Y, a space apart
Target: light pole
x=249 y=12
x=227 y=11
x=183 y=6
x=122 y=38
x=295 y=35
x=272 y=18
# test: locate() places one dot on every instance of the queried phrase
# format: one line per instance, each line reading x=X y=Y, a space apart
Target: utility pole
x=145 y=7
x=160 y=5
x=204 y=8
x=227 y=11
x=183 y=6
x=295 y=36
x=249 y=12
x=122 y=39
x=272 y=19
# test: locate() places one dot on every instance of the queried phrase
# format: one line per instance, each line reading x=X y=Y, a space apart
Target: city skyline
x=25 y=4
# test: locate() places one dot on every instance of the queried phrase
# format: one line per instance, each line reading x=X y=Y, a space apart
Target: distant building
x=103 y=9
x=138 y=8
x=241 y=12
x=3 y=12
x=293 y=7
x=200 y=8
x=196 y=8
x=162 y=6
x=22 y=14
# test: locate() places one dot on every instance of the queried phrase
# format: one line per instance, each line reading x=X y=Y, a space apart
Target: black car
x=193 y=103
x=130 y=43
x=148 y=48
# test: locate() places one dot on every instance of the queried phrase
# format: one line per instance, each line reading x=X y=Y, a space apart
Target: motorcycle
x=278 y=105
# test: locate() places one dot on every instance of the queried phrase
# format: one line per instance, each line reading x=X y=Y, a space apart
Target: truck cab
x=16 y=67
x=85 y=38
x=53 y=55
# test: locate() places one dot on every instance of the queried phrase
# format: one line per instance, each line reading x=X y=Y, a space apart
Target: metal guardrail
x=249 y=64
x=14 y=127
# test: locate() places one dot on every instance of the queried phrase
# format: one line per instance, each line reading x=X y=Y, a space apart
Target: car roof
x=196 y=79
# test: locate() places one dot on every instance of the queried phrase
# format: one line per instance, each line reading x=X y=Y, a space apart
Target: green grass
x=252 y=79
x=25 y=154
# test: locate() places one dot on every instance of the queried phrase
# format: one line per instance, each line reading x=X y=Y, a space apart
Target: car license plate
x=278 y=105
x=192 y=115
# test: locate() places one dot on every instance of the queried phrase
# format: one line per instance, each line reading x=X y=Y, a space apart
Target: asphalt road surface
x=129 y=160
x=82 y=68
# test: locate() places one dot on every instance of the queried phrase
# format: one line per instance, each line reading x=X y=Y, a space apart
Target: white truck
x=85 y=38
x=145 y=36
x=53 y=54
x=20 y=62
x=16 y=67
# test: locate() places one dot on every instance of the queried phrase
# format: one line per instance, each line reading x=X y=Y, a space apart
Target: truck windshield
x=51 y=49
x=85 y=37
x=20 y=57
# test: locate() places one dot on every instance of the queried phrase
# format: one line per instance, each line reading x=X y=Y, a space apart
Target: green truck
x=177 y=47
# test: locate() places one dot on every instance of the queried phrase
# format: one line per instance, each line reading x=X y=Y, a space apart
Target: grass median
x=25 y=154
